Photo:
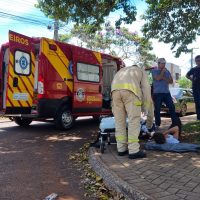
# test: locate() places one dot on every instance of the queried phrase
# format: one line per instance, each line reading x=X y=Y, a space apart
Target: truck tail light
x=40 y=87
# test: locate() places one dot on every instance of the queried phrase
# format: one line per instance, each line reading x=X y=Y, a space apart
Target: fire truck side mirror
x=15 y=82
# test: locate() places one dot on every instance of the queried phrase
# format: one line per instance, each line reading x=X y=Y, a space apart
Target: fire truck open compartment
x=109 y=70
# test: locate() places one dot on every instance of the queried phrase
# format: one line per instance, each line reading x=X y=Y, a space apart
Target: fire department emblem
x=23 y=62
x=80 y=94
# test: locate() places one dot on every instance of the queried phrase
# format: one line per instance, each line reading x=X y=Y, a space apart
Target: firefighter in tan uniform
x=130 y=92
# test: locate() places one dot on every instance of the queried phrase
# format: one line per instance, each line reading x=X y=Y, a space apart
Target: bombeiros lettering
x=18 y=39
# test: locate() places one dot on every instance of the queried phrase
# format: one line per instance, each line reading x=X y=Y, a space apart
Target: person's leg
x=167 y=99
x=157 y=105
x=150 y=116
x=119 y=113
x=198 y=105
x=195 y=95
x=133 y=110
x=197 y=102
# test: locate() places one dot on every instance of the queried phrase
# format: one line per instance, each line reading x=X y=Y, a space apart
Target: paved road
x=34 y=161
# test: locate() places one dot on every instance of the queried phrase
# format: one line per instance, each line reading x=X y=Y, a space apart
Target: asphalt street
x=35 y=160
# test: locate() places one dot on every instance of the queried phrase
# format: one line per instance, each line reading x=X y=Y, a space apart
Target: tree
x=184 y=82
x=90 y=12
x=118 y=42
x=173 y=21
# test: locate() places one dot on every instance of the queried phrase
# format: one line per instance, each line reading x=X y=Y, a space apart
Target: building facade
x=175 y=71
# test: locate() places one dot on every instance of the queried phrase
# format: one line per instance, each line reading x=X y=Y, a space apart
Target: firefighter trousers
x=126 y=104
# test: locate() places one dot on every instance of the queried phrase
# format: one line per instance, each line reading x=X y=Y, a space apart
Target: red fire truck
x=43 y=79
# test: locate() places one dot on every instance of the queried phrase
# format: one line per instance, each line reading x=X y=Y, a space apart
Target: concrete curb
x=113 y=181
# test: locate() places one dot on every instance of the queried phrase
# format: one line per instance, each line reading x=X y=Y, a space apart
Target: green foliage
x=172 y=21
x=118 y=42
x=184 y=82
x=90 y=12
x=65 y=37
x=191 y=132
x=192 y=127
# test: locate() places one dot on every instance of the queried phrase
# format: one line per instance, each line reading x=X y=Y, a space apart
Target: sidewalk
x=160 y=176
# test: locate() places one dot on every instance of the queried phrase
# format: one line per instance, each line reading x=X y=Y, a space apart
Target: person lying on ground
x=171 y=136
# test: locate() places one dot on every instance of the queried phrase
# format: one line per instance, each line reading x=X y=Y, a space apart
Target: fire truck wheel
x=64 y=120
x=22 y=121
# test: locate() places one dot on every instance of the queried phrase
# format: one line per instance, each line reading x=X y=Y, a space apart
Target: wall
x=175 y=72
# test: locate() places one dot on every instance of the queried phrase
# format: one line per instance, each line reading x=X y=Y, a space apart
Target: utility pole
x=192 y=52
x=192 y=55
x=56 y=27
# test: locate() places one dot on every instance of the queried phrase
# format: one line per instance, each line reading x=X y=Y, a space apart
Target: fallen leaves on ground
x=94 y=185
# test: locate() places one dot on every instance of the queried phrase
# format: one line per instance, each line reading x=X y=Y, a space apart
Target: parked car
x=183 y=100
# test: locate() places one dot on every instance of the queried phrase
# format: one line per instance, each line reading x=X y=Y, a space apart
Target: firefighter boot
x=139 y=154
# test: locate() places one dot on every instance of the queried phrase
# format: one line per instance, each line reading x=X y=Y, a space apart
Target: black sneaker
x=139 y=154
x=152 y=129
x=157 y=128
x=123 y=153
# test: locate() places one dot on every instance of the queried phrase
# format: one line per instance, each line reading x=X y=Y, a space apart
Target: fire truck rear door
x=87 y=96
x=20 y=81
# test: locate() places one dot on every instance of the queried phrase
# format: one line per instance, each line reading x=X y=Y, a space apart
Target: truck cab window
x=88 y=72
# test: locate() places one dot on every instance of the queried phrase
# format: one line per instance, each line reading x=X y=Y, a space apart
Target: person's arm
x=188 y=75
x=158 y=77
x=167 y=78
x=147 y=103
x=174 y=130
x=145 y=86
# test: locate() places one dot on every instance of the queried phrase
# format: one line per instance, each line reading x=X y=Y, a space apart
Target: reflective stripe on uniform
x=120 y=138
x=132 y=139
x=126 y=86
x=123 y=138
x=137 y=103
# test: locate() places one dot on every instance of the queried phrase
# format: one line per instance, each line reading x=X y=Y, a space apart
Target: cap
x=161 y=60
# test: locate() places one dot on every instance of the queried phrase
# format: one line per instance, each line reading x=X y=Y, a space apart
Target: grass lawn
x=191 y=132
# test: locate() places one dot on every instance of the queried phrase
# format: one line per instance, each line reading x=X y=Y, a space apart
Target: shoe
x=152 y=129
x=123 y=153
x=157 y=128
x=139 y=154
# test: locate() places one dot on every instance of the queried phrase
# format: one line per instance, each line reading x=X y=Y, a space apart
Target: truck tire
x=64 y=119
x=22 y=121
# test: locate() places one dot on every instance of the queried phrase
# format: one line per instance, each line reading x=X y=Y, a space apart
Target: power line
x=22 y=8
x=32 y=16
x=43 y=18
x=24 y=19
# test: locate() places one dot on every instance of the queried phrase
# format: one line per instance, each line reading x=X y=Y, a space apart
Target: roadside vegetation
x=191 y=132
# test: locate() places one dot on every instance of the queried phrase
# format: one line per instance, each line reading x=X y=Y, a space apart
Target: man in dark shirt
x=194 y=76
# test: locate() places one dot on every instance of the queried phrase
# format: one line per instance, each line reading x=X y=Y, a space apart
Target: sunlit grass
x=192 y=127
x=191 y=132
